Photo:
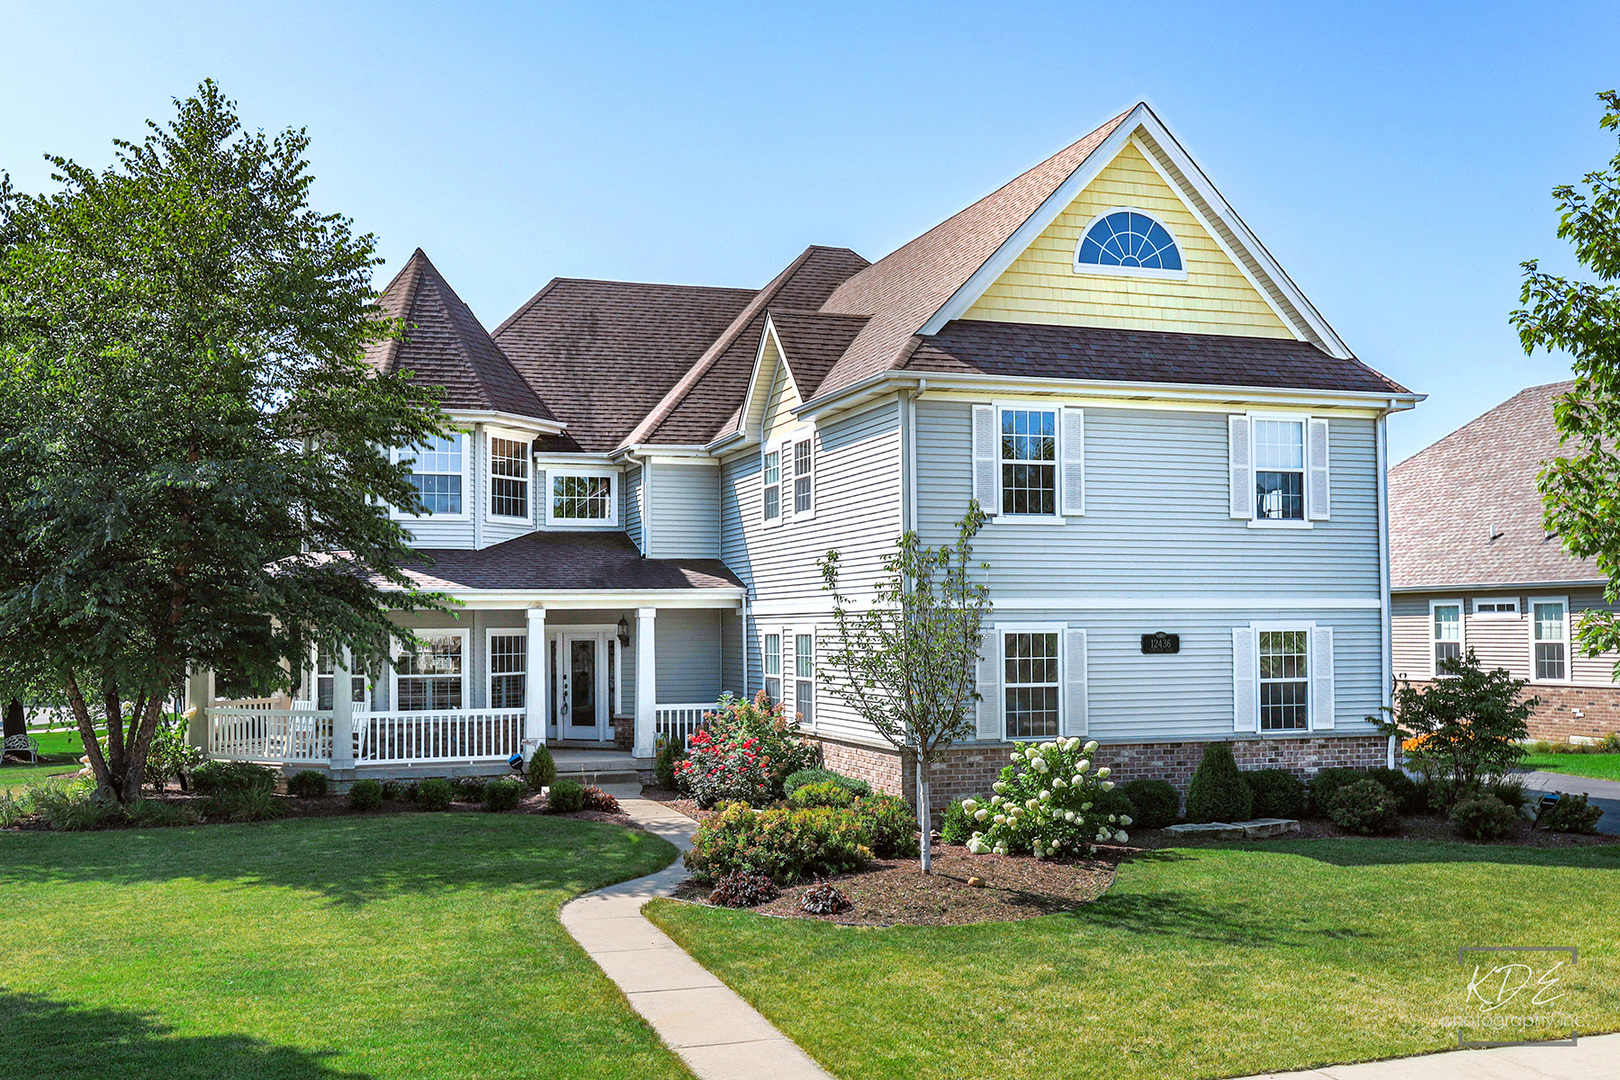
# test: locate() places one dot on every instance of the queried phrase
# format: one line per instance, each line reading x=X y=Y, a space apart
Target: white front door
x=581 y=681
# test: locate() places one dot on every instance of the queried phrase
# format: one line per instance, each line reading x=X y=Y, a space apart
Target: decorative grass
x=1209 y=962
x=1592 y=766
x=406 y=946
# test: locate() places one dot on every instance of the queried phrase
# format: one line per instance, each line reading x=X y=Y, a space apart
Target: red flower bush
x=743 y=752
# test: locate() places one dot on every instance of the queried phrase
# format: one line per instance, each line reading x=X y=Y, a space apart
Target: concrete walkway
x=718 y=1034
x=1591 y=1058
x=1603 y=793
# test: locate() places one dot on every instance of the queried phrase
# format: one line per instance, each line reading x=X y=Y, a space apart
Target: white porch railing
x=678 y=723
x=255 y=732
x=398 y=738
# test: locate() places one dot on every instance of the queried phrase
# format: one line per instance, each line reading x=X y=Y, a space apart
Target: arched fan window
x=1128 y=240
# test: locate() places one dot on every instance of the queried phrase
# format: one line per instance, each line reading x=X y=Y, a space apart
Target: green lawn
x=419 y=945
x=1594 y=766
x=1199 y=962
x=61 y=751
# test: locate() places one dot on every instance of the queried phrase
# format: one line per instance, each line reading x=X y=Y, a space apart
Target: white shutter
x=1074 y=683
x=986 y=444
x=1241 y=464
x=988 y=721
x=1322 y=678
x=1073 y=467
x=784 y=501
x=1245 y=678
x=787 y=668
x=1316 y=464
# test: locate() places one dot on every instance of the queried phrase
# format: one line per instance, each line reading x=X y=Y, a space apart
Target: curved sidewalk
x=718 y=1034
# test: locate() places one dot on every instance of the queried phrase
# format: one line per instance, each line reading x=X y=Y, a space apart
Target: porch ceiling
x=567 y=562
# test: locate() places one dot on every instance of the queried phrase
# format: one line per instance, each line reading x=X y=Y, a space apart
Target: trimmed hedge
x=822 y=793
x=1157 y=803
x=805 y=777
x=1278 y=793
x=366 y=795
x=1572 y=813
x=1485 y=817
x=1217 y=791
x=434 y=794
x=1365 y=807
x=784 y=845
x=307 y=784
x=502 y=795
x=565 y=797
x=1412 y=799
x=890 y=824
x=541 y=770
x=217 y=777
x=1326 y=784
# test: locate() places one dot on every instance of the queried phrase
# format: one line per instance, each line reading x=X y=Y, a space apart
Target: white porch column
x=534 y=681
x=199 y=696
x=342 y=713
x=646 y=744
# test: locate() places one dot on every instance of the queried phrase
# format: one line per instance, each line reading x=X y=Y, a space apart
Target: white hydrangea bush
x=1048 y=803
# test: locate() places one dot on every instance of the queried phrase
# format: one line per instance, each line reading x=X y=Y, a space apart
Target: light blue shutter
x=1073 y=467
x=1318 y=503
x=1241 y=466
x=986 y=455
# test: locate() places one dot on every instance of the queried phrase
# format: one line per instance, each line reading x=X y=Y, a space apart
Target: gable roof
x=1151 y=356
x=1466 y=511
x=812 y=342
x=700 y=406
x=606 y=352
x=444 y=344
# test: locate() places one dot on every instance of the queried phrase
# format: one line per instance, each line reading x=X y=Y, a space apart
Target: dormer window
x=1128 y=241
x=438 y=472
x=585 y=498
x=508 y=478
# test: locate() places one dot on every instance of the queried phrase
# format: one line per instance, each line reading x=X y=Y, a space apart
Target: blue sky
x=1396 y=158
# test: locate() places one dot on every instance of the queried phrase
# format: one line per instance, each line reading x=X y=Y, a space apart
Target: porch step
x=598 y=779
x=597 y=767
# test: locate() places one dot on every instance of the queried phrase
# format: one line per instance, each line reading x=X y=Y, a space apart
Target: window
x=1445 y=624
x=1279 y=470
x=1497 y=607
x=1128 y=241
x=436 y=473
x=1549 y=639
x=803 y=464
x=326 y=681
x=773 y=486
x=508 y=478
x=508 y=670
x=586 y=497
x=773 y=666
x=1031 y=685
x=1284 y=680
x=431 y=678
x=1029 y=461
x=804 y=667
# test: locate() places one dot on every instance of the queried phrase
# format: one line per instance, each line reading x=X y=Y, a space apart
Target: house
x=1182 y=462
x=1473 y=567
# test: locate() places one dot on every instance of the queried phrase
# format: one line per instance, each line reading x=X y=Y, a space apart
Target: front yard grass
x=60 y=750
x=402 y=946
x=1592 y=766
x=1199 y=962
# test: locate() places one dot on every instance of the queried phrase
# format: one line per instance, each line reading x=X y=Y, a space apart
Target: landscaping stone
x=1257 y=829
x=1260 y=828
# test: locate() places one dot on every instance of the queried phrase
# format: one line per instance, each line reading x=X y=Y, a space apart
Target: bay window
x=508 y=478
x=438 y=473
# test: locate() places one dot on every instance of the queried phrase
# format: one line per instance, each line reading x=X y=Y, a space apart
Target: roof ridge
x=392 y=346
x=684 y=385
x=457 y=308
x=1480 y=419
x=554 y=282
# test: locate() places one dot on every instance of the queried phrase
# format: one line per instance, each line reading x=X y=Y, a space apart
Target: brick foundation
x=624 y=733
x=1566 y=712
x=970 y=769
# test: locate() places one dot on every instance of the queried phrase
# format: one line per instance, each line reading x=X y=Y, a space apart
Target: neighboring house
x=1182 y=463
x=1473 y=567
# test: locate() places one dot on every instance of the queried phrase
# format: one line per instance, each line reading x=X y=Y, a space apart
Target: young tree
x=1581 y=492
x=908 y=662
x=187 y=421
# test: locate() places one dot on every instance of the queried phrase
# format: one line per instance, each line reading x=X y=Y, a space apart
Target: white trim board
x=1060 y=602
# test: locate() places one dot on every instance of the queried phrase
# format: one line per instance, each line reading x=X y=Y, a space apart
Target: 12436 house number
x=1160 y=643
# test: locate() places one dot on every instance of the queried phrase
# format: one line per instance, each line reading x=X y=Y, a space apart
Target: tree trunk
x=16 y=719
x=924 y=815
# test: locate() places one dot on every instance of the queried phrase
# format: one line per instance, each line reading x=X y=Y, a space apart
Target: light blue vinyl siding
x=430 y=531
x=630 y=511
x=685 y=511
x=688 y=660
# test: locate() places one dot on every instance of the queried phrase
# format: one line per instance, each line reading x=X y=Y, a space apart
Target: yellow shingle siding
x=781 y=402
x=1041 y=286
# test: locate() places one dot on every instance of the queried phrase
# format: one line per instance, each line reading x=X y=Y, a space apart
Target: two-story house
x=1183 y=466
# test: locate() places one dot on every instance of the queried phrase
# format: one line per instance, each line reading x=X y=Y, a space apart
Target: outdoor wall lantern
x=624 y=632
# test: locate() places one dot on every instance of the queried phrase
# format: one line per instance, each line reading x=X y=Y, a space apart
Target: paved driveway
x=1604 y=793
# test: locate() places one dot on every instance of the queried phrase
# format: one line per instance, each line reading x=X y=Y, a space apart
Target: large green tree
x=187 y=422
x=1581 y=490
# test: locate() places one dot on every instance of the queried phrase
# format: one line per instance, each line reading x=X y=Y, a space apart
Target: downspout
x=475 y=439
x=1384 y=628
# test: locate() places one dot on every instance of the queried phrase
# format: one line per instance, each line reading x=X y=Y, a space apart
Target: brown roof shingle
x=566 y=560
x=444 y=344
x=1466 y=510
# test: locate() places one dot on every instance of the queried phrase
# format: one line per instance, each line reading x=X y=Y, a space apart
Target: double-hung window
x=1031 y=684
x=508 y=669
x=1549 y=639
x=1446 y=633
x=772 y=472
x=1285 y=688
x=804 y=685
x=508 y=478
x=773 y=667
x=432 y=677
x=438 y=471
x=582 y=498
x=1029 y=462
x=326 y=681
x=1279 y=470
x=804 y=463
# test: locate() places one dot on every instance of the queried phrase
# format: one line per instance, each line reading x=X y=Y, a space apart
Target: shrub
x=307 y=784
x=664 y=766
x=541 y=770
x=891 y=825
x=434 y=794
x=805 y=777
x=565 y=797
x=824 y=899
x=215 y=777
x=1278 y=793
x=1217 y=791
x=783 y=844
x=158 y=814
x=956 y=827
x=1157 y=803
x=1462 y=730
x=1485 y=817
x=1050 y=801
x=745 y=750
x=822 y=793
x=1365 y=807
x=468 y=789
x=1326 y=784
x=1410 y=798
x=1509 y=791
x=597 y=799
x=397 y=789
x=1571 y=813
x=243 y=804
x=503 y=794
x=743 y=889
x=170 y=756
x=366 y=795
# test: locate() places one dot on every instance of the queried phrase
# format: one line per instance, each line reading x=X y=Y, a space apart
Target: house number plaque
x=1160 y=643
